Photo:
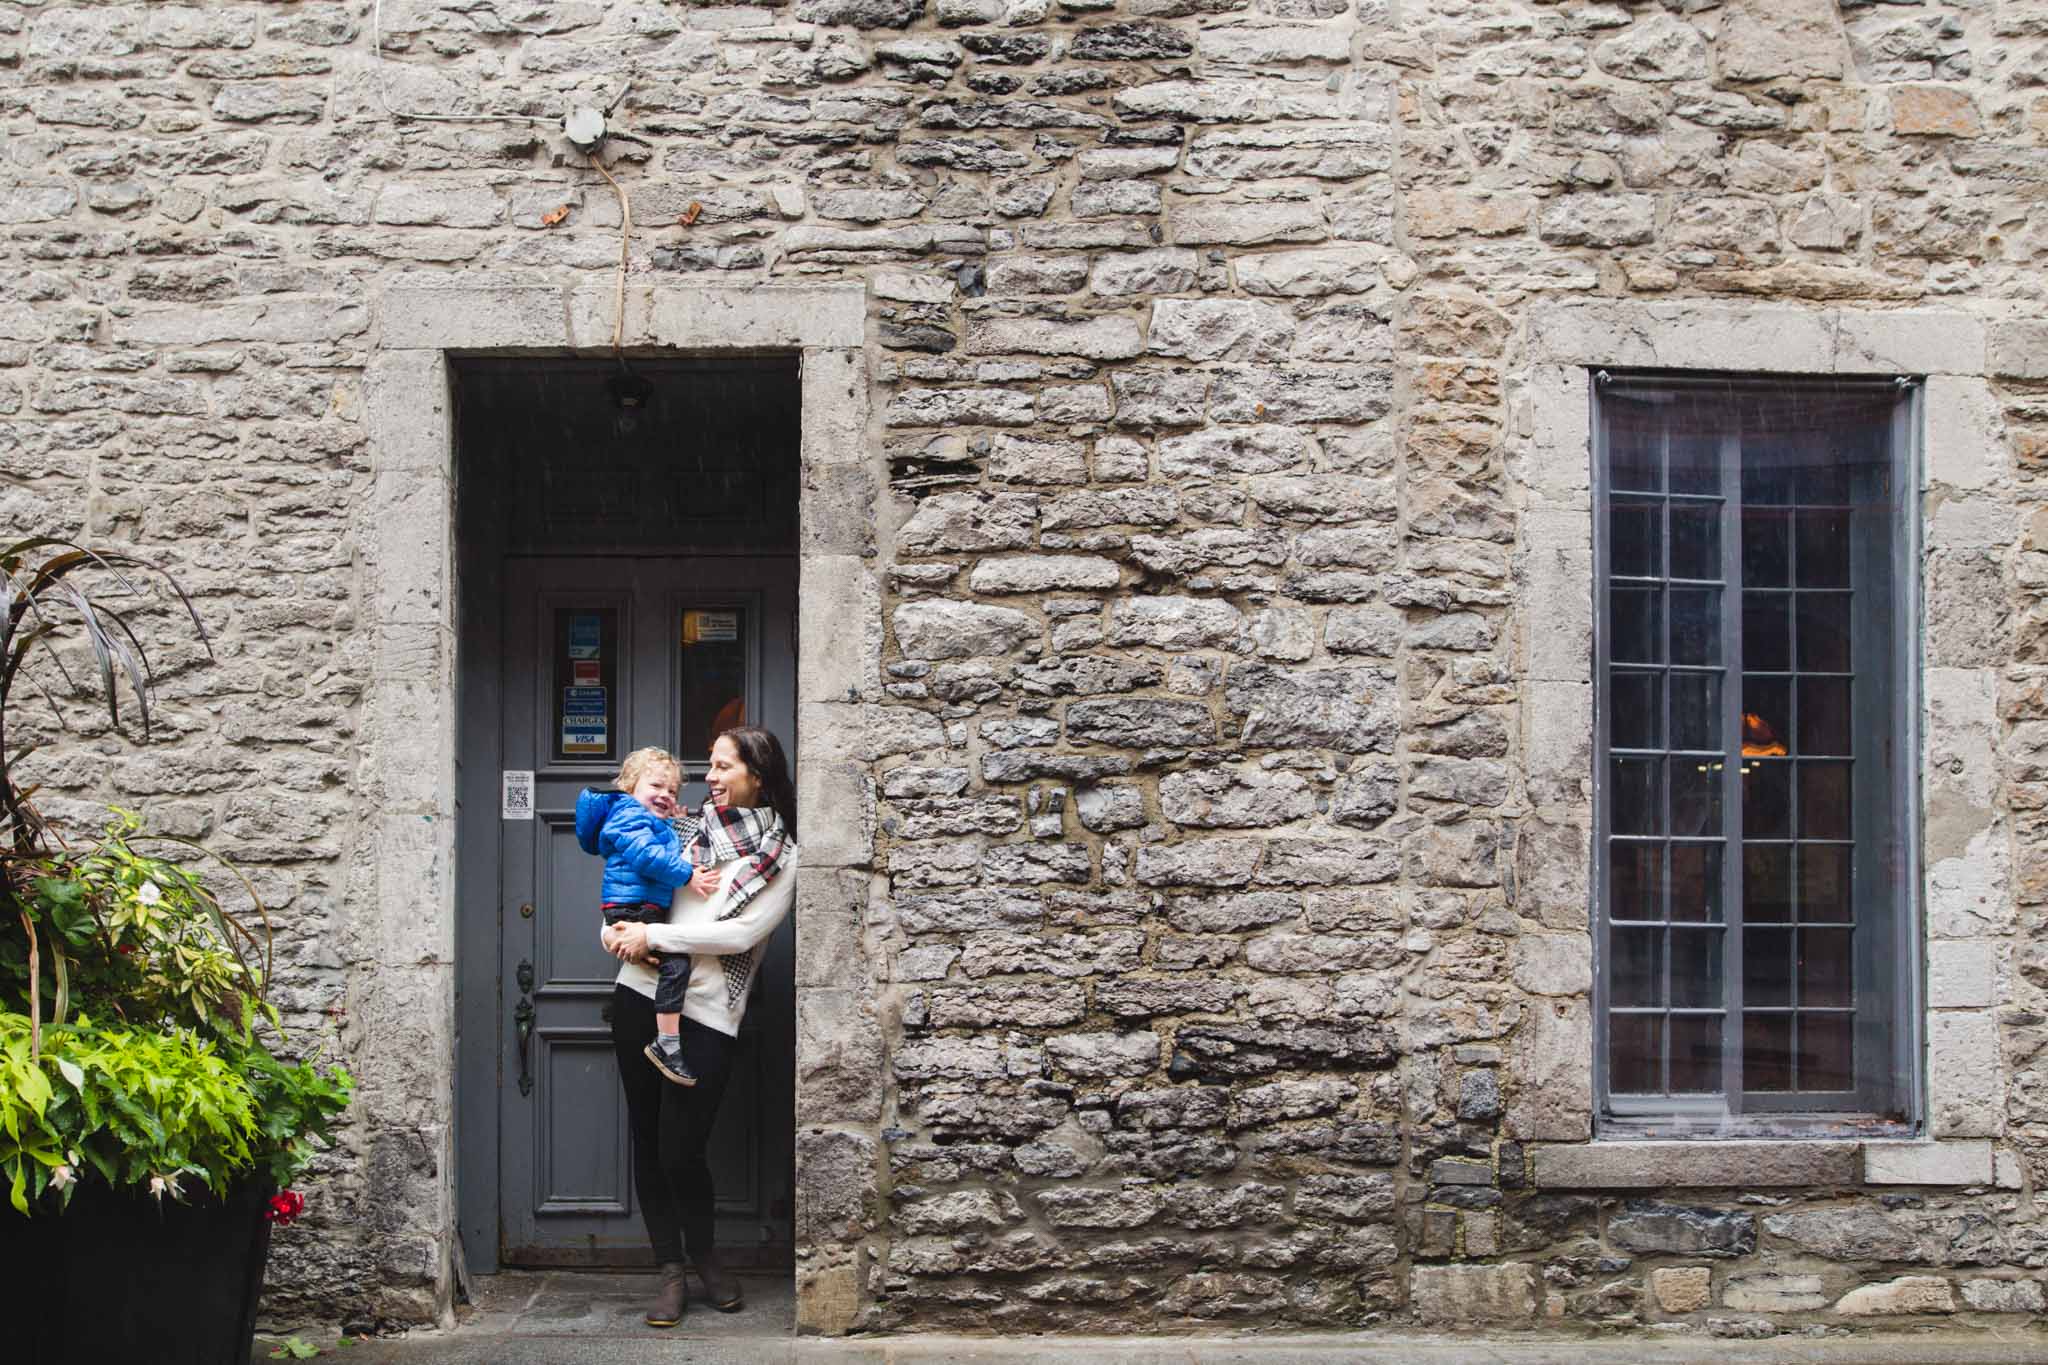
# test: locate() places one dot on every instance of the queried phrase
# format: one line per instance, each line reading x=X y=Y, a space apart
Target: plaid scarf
x=720 y=834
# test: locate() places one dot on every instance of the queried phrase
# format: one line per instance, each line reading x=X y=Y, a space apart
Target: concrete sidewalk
x=568 y=1318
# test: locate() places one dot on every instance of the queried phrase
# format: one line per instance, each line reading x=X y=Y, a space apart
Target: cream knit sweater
x=694 y=927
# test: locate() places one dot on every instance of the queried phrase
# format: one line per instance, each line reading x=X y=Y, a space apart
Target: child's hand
x=704 y=881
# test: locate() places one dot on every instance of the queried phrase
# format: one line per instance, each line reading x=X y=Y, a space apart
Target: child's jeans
x=672 y=969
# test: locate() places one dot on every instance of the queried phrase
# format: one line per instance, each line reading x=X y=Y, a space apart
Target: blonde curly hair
x=639 y=761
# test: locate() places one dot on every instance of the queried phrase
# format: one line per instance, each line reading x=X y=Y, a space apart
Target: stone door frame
x=421 y=1091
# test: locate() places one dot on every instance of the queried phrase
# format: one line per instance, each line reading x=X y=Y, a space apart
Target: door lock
x=526 y=910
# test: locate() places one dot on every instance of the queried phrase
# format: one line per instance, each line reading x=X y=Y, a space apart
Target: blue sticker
x=586 y=635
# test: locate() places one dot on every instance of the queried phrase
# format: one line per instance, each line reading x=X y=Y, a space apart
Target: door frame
x=427 y=1067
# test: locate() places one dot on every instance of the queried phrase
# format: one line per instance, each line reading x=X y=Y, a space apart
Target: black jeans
x=672 y=975
x=671 y=1125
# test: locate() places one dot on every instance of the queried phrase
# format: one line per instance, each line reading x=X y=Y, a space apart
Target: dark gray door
x=603 y=656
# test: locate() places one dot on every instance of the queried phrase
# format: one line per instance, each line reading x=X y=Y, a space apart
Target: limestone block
x=1552 y=1066
x=1697 y=1165
x=1309 y=274
x=837 y=1194
x=1682 y=1289
x=1951 y=1162
x=408 y=547
x=1104 y=1054
x=831 y=909
x=1962 y=973
x=284 y=321
x=839 y=613
x=1967 y=445
x=1460 y=1295
x=1904 y=1295
x=1554 y=964
x=1760 y=41
x=833 y=426
x=970 y=521
x=1353 y=709
x=1222 y=223
x=446 y=314
x=1775 y=1294
x=1675 y=1229
x=1685 y=335
x=2004 y=1296
x=1219 y=329
x=836 y=804
x=1224 y=798
x=838 y=1057
x=1042 y=573
x=2019 y=349
x=1659 y=48
x=1174 y=623
x=940 y=628
x=1964 y=1075
x=1910 y=341
x=1018 y=459
x=1110 y=337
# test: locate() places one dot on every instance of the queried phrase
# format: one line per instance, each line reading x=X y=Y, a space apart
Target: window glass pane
x=1696 y=1054
x=1823 y=548
x=1766 y=632
x=1767 y=798
x=1695 y=457
x=1767 y=967
x=714 y=644
x=1695 y=541
x=1696 y=711
x=1635 y=880
x=1695 y=625
x=1695 y=796
x=1696 y=882
x=584 y=647
x=1823 y=632
x=1766 y=883
x=1634 y=447
x=1635 y=1048
x=1766 y=548
x=1635 y=967
x=1635 y=712
x=1824 y=882
x=1824 y=967
x=1766 y=481
x=1767 y=1052
x=1638 y=795
x=1638 y=636
x=1824 y=715
x=1634 y=543
x=1826 y=1048
x=1766 y=716
x=1696 y=969
x=1824 y=800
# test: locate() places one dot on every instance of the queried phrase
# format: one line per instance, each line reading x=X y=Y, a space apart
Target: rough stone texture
x=1217 y=725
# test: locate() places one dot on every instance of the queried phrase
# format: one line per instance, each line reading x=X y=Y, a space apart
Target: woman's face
x=732 y=783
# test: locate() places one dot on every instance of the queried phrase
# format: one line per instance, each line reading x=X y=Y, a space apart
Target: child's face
x=656 y=790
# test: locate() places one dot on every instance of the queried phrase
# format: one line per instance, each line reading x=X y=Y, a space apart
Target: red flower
x=285 y=1207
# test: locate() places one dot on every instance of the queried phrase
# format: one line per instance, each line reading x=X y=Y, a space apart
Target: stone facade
x=1196 y=674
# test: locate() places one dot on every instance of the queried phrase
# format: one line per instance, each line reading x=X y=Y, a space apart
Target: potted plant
x=150 y=1112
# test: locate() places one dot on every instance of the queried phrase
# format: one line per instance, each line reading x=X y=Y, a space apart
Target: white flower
x=61 y=1176
x=158 y=1184
x=148 y=893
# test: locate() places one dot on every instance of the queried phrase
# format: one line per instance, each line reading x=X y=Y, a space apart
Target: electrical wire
x=377 y=84
x=625 y=244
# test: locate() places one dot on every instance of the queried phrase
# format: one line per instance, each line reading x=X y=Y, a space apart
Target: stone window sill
x=1625 y=1165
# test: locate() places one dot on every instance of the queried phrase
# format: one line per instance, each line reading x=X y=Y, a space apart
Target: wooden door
x=603 y=656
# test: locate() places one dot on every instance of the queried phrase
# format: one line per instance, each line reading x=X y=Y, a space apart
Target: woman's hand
x=704 y=881
x=627 y=942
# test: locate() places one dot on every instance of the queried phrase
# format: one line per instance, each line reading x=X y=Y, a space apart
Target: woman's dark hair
x=762 y=753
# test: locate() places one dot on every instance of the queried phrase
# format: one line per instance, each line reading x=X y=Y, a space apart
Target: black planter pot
x=119 y=1277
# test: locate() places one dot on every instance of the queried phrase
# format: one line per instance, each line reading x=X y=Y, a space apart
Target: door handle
x=522 y=1027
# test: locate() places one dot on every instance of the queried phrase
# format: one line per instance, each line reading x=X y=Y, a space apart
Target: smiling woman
x=747 y=833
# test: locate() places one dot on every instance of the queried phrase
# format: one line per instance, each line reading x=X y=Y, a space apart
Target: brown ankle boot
x=672 y=1300
x=721 y=1290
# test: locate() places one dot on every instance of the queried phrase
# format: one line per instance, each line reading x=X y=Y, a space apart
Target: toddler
x=643 y=865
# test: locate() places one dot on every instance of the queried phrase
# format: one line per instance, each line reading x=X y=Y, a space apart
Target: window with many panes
x=1754 y=642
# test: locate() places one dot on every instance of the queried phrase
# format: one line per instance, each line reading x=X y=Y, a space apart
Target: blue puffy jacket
x=643 y=857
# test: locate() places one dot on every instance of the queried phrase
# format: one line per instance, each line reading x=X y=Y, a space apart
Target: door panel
x=681 y=645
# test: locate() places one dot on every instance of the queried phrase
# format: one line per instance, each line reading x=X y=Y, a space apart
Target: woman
x=748 y=833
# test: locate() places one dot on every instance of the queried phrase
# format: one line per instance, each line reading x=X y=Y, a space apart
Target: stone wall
x=1224 y=785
